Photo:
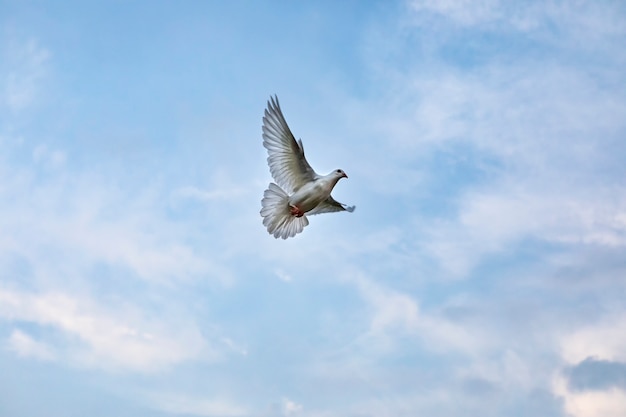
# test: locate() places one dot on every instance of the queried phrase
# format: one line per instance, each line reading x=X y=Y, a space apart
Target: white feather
x=276 y=215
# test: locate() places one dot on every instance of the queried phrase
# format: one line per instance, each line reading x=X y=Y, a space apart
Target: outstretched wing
x=330 y=205
x=286 y=160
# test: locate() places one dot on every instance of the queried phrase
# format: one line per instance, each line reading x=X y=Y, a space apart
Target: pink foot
x=295 y=211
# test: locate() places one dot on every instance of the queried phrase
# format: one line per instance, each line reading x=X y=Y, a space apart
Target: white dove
x=303 y=190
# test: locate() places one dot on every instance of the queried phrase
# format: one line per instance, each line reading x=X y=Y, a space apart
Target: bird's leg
x=295 y=211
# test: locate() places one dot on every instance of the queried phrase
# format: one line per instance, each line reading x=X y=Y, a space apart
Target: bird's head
x=340 y=174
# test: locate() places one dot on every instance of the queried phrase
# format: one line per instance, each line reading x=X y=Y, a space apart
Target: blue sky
x=482 y=273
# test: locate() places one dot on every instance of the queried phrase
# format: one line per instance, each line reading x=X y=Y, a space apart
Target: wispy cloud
x=591 y=403
x=201 y=407
x=391 y=310
x=120 y=338
x=69 y=238
x=23 y=68
x=466 y=12
x=25 y=346
x=604 y=339
x=291 y=408
x=494 y=221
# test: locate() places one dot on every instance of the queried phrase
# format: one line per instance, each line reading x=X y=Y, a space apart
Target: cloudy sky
x=483 y=272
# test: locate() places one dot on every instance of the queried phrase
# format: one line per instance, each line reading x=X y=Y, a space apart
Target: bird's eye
x=338 y=171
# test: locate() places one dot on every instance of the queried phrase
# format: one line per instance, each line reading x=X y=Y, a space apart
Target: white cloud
x=537 y=136
x=233 y=346
x=68 y=234
x=109 y=338
x=466 y=12
x=442 y=335
x=283 y=276
x=586 y=22
x=527 y=115
x=25 y=346
x=194 y=406
x=489 y=222
x=608 y=403
x=392 y=311
x=49 y=157
x=24 y=67
x=504 y=368
x=222 y=189
x=89 y=220
x=394 y=316
x=605 y=339
x=291 y=408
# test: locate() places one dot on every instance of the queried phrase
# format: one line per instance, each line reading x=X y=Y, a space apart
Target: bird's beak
x=344 y=175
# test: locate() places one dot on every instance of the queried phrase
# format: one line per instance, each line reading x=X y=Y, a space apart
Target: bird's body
x=313 y=193
x=303 y=190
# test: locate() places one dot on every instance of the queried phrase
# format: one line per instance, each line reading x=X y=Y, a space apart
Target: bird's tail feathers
x=276 y=215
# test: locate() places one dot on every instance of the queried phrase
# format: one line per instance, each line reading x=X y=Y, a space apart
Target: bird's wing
x=286 y=160
x=330 y=205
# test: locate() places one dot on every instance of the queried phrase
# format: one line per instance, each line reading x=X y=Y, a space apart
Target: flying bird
x=298 y=190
